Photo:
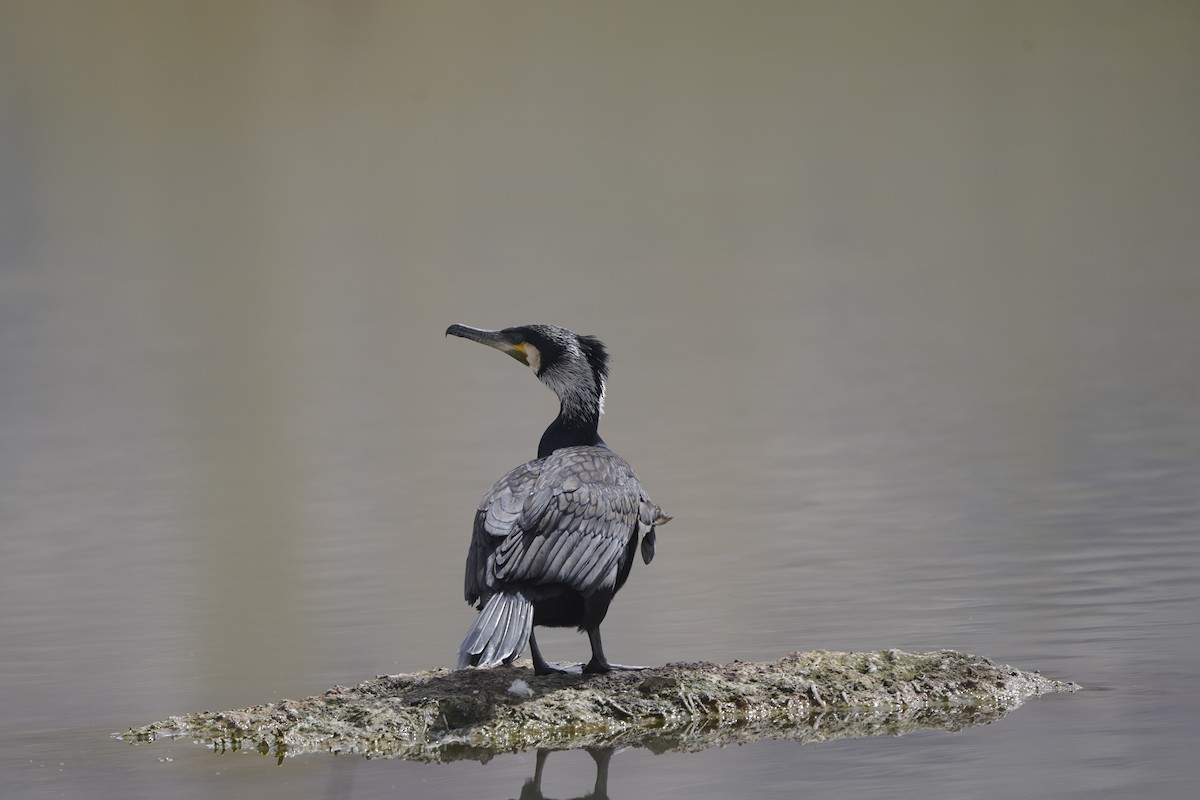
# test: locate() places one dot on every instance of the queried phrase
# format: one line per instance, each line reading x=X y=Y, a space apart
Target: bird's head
x=573 y=365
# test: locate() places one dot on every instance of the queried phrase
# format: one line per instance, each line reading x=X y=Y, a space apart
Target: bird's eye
x=518 y=338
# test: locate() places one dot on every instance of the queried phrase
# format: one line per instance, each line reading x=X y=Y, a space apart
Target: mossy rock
x=444 y=715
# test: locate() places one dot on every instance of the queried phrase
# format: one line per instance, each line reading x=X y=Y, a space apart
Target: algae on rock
x=443 y=715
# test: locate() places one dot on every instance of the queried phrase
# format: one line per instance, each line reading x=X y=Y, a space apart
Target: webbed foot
x=600 y=667
x=546 y=668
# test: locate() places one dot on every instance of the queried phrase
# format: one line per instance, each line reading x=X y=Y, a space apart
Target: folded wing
x=565 y=520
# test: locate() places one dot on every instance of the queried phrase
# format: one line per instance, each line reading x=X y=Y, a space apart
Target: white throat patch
x=534 y=357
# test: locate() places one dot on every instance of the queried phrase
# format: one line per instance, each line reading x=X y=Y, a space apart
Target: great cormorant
x=555 y=538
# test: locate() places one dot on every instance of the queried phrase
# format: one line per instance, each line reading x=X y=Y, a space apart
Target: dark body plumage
x=555 y=538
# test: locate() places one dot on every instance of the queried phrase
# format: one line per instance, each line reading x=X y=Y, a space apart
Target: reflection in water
x=532 y=790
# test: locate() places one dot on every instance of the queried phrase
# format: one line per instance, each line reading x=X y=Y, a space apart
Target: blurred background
x=903 y=300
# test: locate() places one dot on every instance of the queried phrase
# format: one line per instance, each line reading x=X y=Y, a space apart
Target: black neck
x=570 y=432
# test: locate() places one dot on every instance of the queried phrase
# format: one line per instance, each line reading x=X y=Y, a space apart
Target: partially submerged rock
x=444 y=715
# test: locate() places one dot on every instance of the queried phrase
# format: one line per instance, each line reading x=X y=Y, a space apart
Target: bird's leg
x=599 y=664
x=540 y=665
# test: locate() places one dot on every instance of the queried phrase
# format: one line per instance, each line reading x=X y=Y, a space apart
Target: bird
x=554 y=538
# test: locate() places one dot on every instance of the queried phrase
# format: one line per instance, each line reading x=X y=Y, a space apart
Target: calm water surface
x=904 y=312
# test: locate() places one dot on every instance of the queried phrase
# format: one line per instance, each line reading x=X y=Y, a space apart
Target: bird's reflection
x=532 y=790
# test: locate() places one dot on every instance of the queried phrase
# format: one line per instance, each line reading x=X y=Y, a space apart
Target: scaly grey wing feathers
x=565 y=519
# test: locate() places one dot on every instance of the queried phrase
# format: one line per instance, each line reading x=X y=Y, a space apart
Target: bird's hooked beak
x=504 y=341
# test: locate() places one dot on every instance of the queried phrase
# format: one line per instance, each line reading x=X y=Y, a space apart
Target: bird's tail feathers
x=499 y=633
